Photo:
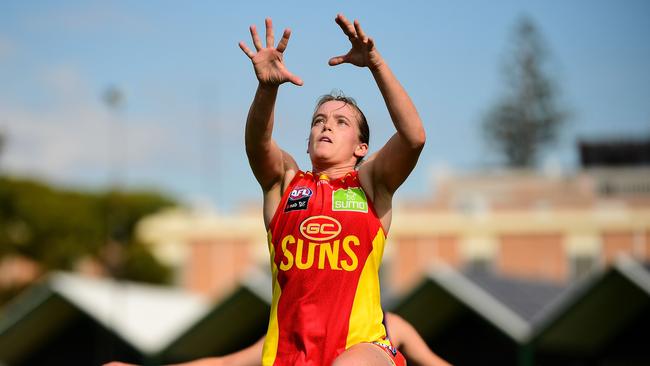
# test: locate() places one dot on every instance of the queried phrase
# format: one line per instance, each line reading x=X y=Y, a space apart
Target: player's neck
x=333 y=172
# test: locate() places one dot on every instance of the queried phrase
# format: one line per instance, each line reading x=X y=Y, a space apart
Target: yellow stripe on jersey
x=366 y=315
x=270 y=349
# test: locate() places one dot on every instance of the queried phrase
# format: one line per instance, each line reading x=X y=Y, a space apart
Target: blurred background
x=130 y=223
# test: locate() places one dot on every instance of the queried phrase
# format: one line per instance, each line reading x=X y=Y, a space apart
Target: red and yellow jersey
x=326 y=244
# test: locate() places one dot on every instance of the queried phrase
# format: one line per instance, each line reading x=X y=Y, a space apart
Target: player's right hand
x=268 y=61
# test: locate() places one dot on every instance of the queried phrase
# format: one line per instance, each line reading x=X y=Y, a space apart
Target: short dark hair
x=364 y=129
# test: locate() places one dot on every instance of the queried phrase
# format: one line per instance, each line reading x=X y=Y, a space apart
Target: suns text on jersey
x=335 y=255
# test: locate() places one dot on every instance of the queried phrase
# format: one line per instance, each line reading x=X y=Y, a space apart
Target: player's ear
x=361 y=150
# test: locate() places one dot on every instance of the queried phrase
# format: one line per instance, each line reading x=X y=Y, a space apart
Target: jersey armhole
x=285 y=196
x=371 y=204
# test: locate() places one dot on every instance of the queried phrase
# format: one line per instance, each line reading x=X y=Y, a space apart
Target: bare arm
x=249 y=356
x=268 y=162
x=392 y=164
x=409 y=341
x=403 y=335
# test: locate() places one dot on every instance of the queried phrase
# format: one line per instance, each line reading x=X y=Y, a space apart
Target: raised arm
x=392 y=164
x=268 y=162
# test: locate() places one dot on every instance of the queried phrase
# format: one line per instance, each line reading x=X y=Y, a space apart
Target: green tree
x=527 y=118
x=56 y=227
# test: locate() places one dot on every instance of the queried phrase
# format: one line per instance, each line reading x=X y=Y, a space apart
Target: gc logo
x=320 y=228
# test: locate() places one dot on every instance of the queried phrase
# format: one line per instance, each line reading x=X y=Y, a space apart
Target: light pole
x=115 y=100
x=114 y=246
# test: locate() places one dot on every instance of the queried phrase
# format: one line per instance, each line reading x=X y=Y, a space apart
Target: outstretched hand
x=268 y=61
x=363 y=52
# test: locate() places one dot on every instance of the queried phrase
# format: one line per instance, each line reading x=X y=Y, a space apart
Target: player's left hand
x=363 y=52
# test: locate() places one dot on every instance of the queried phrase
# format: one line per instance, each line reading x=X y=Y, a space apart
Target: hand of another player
x=363 y=52
x=268 y=61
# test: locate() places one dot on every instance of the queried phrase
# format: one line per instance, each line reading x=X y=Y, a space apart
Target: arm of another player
x=404 y=336
x=249 y=356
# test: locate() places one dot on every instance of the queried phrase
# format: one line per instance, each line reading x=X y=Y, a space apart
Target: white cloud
x=74 y=139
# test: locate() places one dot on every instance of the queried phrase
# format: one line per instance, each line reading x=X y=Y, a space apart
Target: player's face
x=334 y=136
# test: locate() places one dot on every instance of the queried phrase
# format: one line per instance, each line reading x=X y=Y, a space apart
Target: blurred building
x=210 y=253
x=547 y=226
x=75 y=320
x=521 y=267
x=69 y=319
x=536 y=226
x=550 y=225
x=475 y=318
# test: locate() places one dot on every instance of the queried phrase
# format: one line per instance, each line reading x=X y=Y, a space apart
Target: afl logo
x=299 y=193
x=320 y=228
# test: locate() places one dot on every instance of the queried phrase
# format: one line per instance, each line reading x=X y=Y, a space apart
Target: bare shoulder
x=273 y=195
x=382 y=198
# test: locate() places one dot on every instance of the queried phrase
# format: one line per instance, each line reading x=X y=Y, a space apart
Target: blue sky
x=188 y=86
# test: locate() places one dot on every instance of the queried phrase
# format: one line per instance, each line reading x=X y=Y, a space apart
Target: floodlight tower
x=115 y=100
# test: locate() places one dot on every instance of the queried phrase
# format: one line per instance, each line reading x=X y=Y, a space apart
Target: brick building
x=548 y=226
x=551 y=228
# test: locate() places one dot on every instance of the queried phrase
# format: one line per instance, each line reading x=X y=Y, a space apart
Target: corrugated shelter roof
x=237 y=320
x=597 y=310
x=142 y=319
x=155 y=323
x=453 y=314
x=147 y=316
x=525 y=297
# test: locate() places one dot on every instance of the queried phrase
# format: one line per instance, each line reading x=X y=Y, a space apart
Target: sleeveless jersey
x=326 y=244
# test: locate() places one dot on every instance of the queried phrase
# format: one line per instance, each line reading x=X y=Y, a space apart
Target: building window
x=482 y=265
x=582 y=265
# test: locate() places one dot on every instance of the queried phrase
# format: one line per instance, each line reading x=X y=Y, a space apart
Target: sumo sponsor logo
x=351 y=199
x=298 y=199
